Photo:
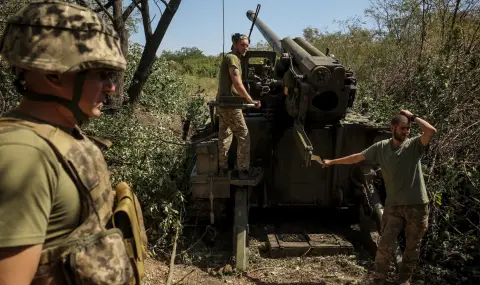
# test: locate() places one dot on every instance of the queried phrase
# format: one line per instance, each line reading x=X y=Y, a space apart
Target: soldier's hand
x=257 y=104
x=406 y=113
x=327 y=163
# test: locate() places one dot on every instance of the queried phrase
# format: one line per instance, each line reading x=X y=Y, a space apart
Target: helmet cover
x=54 y=37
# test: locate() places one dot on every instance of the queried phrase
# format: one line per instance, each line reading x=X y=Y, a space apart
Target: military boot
x=378 y=281
x=223 y=172
x=376 y=278
x=252 y=173
x=244 y=174
x=404 y=275
x=403 y=281
x=371 y=280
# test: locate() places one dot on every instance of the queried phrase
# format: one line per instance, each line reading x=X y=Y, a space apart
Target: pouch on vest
x=99 y=259
x=127 y=216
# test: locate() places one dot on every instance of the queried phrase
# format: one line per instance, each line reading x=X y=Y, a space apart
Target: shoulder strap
x=101 y=142
x=58 y=140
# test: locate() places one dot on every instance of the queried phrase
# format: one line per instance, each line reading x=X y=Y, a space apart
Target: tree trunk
x=119 y=25
x=423 y=32
x=149 y=53
x=451 y=40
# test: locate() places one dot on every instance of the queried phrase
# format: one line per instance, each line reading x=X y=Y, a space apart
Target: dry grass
x=164 y=121
x=210 y=85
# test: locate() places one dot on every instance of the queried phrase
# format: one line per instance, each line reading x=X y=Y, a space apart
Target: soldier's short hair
x=398 y=118
x=237 y=37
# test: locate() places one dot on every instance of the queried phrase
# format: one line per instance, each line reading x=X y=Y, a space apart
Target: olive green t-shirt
x=401 y=170
x=39 y=203
x=225 y=86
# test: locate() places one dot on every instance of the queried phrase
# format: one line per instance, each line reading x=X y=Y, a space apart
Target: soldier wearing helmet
x=56 y=199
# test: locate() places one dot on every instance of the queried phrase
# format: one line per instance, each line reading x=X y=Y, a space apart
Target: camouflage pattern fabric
x=91 y=254
x=55 y=36
x=232 y=121
x=415 y=218
x=101 y=260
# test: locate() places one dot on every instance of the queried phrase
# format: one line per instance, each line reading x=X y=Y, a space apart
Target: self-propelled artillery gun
x=307 y=98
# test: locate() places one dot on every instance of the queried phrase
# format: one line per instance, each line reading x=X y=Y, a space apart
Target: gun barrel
x=295 y=49
x=313 y=51
x=267 y=33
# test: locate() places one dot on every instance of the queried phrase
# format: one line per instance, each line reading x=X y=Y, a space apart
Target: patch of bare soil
x=208 y=265
x=305 y=271
x=157 y=272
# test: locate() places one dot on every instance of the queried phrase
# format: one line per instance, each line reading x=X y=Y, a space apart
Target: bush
x=156 y=170
x=192 y=61
x=143 y=153
x=9 y=98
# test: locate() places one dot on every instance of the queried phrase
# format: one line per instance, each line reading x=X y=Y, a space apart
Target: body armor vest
x=95 y=252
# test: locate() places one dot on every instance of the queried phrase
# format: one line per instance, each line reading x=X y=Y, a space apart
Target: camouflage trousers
x=233 y=122
x=415 y=218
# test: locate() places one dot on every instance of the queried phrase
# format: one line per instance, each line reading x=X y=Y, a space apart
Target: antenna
x=223 y=25
x=253 y=22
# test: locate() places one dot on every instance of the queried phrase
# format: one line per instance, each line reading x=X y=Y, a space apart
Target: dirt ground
x=207 y=264
x=318 y=270
x=305 y=271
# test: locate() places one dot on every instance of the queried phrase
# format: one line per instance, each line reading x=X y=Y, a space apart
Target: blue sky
x=199 y=22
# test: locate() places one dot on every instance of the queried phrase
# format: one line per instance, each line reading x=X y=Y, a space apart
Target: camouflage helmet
x=54 y=36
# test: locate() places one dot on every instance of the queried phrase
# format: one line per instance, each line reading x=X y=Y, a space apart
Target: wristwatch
x=413 y=117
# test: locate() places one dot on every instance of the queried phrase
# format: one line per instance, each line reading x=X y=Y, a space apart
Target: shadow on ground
x=211 y=247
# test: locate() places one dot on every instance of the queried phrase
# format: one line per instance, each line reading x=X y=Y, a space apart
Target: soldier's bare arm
x=26 y=180
x=237 y=83
x=351 y=159
x=19 y=264
x=428 y=131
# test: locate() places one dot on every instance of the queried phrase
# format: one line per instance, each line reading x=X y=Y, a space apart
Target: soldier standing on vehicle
x=54 y=182
x=407 y=200
x=230 y=90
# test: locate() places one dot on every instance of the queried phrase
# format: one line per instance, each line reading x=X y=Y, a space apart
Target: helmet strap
x=79 y=115
x=72 y=105
x=19 y=81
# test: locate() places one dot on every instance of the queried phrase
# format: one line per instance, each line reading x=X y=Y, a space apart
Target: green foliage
x=161 y=92
x=8 y=96
x=261 y=45
x=192 y=61
x=156 y=170
x=183 y=54
x=142 y=155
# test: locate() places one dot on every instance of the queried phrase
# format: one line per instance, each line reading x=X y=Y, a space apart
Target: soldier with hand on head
x=231 y=89
x=407 y=200
x=56 y=199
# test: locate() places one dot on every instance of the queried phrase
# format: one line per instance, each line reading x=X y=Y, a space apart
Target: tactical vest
x=96 y=252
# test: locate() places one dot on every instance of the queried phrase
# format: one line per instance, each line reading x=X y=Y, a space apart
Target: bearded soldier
x=407 y=199
x=56 y=199
x=231 y=120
